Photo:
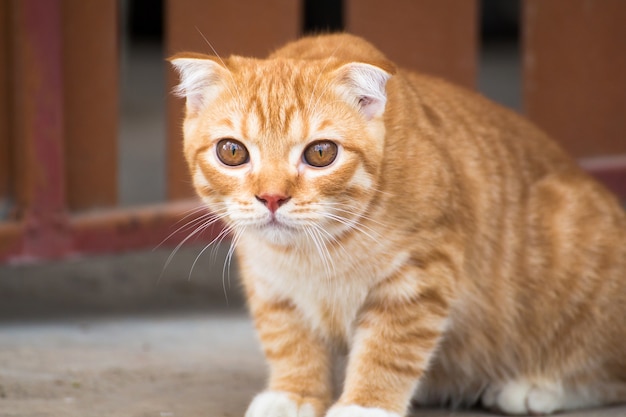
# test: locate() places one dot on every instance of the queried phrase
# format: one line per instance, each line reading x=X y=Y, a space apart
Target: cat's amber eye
x=321 y=153
x=232 y=152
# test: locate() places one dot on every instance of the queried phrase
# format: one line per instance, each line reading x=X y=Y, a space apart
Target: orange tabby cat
x=445 y=243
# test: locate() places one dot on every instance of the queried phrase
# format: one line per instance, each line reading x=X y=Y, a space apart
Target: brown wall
x=91 y=96
x=5 y=167
x=434 y=36
x=575 y=72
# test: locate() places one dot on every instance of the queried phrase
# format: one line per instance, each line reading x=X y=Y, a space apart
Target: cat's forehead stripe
x=226 y=122
x=276 y=92
x=324 y=124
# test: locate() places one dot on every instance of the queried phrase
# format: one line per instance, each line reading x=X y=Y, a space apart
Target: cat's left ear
x=363 y=85
x=200 y=78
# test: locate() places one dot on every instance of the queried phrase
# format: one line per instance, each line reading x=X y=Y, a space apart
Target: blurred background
x=110 y=305
x=94 y=193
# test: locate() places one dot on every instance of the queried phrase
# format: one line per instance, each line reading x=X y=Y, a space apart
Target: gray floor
x=159 y=366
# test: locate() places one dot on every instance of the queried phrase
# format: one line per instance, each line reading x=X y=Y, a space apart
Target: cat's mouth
x=274 y=224
x=278 y=232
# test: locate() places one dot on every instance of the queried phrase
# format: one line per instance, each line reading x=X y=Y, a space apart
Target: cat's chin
x=279 y=234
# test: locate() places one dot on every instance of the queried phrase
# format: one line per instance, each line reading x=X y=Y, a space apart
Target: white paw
x=522 y=397
x=358 y=411
x=278 y=404
x=544 y=400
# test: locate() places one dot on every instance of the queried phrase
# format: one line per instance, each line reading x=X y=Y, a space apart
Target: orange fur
x=452 y=249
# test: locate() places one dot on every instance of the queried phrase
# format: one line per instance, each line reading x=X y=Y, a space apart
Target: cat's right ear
x=363 y=85
x=200 y=79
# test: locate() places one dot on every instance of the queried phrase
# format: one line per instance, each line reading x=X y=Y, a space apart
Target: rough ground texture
x=175 y=365
x=194 y=365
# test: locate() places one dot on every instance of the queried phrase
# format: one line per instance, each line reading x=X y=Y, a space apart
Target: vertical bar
x=433 y=36
x=91 y=95
x=10 y=232
x=5 y=168
x=575 y=72
x=244 y=27
x=38 y=121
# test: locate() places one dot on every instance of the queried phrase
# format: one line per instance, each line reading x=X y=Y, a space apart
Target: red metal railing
x=58 y=148
x=59 y=99
x=37 y=86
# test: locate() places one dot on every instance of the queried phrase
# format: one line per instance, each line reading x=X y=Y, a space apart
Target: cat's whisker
x=238 y=232
x=383 y=192
x=226 y=231
x=220 y=236
x=180 y=244
x=320 y=96
x=191 y=212
x=185 y=226
x=366 y=218
x=219 y=239
x=354 y=225
x=219 y=215
x=193 y=265
x=330 y=238
x=212 y=216
x=209 y=219
x=350 y=210
x=238 y=96
x=181 y=228
x=222 y=233
x=322 y=250
x=319 y=75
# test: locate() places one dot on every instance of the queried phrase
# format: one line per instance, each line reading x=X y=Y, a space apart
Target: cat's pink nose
x=272 y=201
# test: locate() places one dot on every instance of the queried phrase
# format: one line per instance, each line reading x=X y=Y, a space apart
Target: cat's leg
x=300 y=379
x=396 y=336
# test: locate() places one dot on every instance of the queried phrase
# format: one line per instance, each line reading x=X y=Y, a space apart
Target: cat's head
x=288 y=149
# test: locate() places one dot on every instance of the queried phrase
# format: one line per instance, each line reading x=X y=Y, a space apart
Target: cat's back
x=466 y=123
x=540 y=235
x=341 y=47
x=509 y=173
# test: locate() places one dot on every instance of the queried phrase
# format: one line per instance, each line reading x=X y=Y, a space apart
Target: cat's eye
x=232 y=152
x=320 y=154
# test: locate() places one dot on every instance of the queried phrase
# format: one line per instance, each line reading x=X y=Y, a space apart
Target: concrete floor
x=160 y=366
x=174 y=365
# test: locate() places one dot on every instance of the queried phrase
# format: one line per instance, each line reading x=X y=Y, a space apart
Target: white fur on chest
x=328 y=297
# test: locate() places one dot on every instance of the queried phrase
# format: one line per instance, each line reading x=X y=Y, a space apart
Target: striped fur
x=451 y=250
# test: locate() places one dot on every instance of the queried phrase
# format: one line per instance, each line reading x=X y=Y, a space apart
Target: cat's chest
x=328 y=287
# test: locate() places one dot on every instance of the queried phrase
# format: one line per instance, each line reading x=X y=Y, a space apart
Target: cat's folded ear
x=200 y=78
x=364 y=86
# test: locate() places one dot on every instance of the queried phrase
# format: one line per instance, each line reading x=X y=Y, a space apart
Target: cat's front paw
x=358 y=411
x=279 y=404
